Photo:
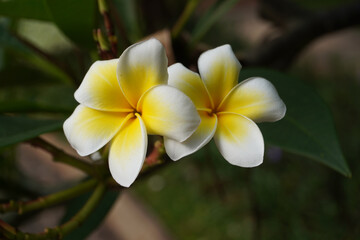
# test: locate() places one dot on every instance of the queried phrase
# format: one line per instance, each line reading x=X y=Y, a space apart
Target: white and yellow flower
x=227 y=110
x=123 y=100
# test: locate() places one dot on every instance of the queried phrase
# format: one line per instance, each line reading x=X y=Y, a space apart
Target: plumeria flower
x=228 y=110
x=123 y=100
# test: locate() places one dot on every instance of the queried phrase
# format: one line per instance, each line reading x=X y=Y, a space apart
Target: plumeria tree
x=134 y=86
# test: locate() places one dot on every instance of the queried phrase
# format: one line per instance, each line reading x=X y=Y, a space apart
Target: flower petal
x=140 y=67
x=168 y=112
x=255 y=98
x=189 y=83
x=128 y=152
x=219 y=69
x=88 y=130
x=100 y=88
x=239 y=140
x=197 y=140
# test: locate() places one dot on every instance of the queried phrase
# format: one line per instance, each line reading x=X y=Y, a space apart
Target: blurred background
x=202 y=196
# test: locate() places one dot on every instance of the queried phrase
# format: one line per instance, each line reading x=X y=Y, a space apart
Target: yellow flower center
x=209 y=111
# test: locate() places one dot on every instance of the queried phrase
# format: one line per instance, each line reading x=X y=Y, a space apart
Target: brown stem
x=156 y=153
x=111 y=37
x=110 y=33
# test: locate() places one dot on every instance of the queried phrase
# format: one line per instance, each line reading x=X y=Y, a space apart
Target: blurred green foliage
x=20 y=128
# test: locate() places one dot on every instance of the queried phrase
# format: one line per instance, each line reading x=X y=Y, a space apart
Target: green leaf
x=210 y=18
x=75 y=18
x=46 y=36
x=43 y=98
x=43 y=66
x=20 y=128
x=308 y=128
x=20 y=54
x=130 y=19
x=94 y=219
x=34 y=9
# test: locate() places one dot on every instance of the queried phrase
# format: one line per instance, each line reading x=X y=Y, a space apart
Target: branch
x=281 y=52
x=58 y=232
x=60 y=156
x=103 y=46
x=22 y=207
x=154 y=160
x=85 y=211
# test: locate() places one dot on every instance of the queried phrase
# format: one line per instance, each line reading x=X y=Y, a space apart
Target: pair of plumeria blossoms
x=122 y=100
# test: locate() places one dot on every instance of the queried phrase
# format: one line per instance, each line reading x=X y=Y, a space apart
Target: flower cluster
x=123 y=100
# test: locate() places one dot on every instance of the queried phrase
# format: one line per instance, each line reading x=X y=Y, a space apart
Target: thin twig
x=104 y=10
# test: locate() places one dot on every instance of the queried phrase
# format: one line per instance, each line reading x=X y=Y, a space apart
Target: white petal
x=197 y=140
x=168 y=112
x=140 y=67
x=88 y=130
x=255 y=98
x=189 y=83
x=100 y=88
x=219 y=69
x=239 y=140
x=128 y=152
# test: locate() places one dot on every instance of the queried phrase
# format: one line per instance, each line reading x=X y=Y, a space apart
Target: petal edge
x=239 y=140
x=142 y=66
x=203 y=134
x=255 y=98
x=189 y=83
x=219 y=69
x=128 y=152
x=100 y=89
x=88 y=130
x=168 y=112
